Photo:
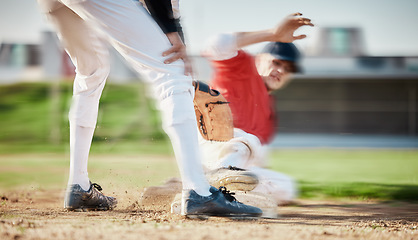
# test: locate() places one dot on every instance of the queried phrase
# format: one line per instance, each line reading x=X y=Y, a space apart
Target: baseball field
x=344 y=193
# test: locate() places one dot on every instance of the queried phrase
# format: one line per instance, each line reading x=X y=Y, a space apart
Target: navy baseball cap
x=284 y=51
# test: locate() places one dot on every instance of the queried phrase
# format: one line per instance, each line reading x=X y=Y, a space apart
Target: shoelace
x=235 y=168
x=97 y=186
x=227 y=194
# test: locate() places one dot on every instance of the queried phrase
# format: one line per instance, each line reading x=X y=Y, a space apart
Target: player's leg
x=90 y=57
x=226 y=166
x=242 y=151
x=138 y=38
x=134 y=34
x=229 y=174
x=228 y=162
x=278 y=186
x=236 y=152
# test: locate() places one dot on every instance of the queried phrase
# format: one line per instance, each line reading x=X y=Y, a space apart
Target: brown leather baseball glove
x=213 y=115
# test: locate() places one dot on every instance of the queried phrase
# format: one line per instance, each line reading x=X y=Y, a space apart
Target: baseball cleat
x=220 y=203
x=76 y=199
x=236 y=179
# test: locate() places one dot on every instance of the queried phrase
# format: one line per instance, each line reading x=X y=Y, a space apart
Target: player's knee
x=177 y=109
x=92 y=83
x=166 y=85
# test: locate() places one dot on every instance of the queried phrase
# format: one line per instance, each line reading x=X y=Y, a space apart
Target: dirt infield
x=39 y=215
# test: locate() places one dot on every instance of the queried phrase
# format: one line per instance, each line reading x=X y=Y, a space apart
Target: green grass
x=33 y=116
x=34 y=136
x=321 y=174
x=360 y=174
x=129 y=149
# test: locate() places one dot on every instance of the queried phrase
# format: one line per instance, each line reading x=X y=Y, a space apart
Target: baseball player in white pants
x=83 y=27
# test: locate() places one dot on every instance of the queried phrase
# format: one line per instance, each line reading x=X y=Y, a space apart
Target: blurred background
x=360 y=65
x=348 y=125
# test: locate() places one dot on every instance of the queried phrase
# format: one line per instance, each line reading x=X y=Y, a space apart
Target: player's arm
x=166 y=14
x=226 y=45
x=284 y=32
x=221 y=47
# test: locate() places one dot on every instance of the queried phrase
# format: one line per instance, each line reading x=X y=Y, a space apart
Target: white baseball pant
x=83 y=27
x=245 y=151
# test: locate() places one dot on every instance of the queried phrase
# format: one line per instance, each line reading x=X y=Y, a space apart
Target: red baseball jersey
x=251 y=105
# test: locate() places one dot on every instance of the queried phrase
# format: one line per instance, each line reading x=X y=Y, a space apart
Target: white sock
x=180 y=125
x=80 y=142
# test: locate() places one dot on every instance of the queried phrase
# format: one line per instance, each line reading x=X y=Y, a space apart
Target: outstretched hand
x=177 y=51
x=284 y=32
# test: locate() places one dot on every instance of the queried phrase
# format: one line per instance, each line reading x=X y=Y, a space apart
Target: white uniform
x=83 y=27
x=244 y=150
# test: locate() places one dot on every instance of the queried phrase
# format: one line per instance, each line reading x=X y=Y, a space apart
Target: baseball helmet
x=284 y=51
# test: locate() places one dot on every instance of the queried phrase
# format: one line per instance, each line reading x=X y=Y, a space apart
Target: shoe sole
x=230 y=216
x=87 y=209
x=237 y=183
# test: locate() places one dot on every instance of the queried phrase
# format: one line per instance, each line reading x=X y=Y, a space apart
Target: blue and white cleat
x=220 y=204
x=76 y=199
